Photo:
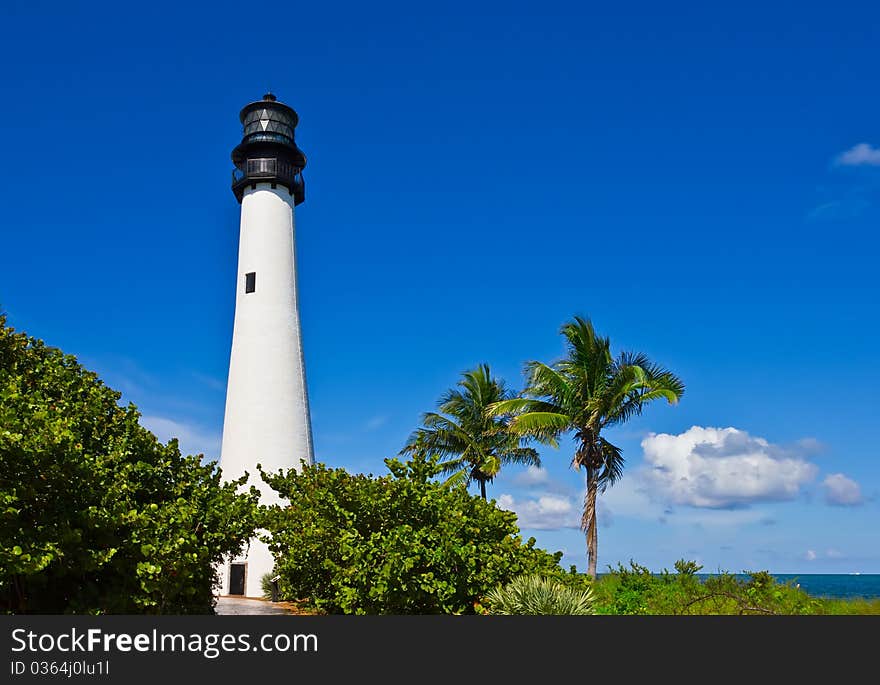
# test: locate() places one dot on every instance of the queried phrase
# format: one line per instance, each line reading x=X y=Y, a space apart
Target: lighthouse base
x=242 y=575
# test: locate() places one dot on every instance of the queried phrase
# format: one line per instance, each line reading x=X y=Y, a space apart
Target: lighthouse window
x=250 y=282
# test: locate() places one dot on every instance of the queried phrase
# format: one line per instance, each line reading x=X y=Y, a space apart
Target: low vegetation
x=397 y=544
x=635 y=590
x=539 y=596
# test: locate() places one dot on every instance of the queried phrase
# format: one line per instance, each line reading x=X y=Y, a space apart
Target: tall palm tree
x=583 y=393
x=472 y=444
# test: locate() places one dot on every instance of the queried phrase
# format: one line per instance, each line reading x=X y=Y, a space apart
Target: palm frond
x=545 y=381
x=623 y=412
x=670 y=384
x=625 y=381
x=612 y=463
x=519 y=405
x=525 y=456
x=588 y=353
x=453 y=463
x=540 y=425
x=657 y=384
x=432 y=420
x=476 y=389
x=671 y=396
x=458 y=477
x=656 y=376
x=640 y=359
x=416 y=443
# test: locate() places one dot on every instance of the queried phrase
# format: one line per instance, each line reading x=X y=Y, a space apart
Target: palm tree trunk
x=483 y=488
x=588 y=523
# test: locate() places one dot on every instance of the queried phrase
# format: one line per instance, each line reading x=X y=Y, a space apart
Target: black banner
x=221 y=649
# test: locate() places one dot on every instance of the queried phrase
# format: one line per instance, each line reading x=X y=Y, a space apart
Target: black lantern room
x=267 y=152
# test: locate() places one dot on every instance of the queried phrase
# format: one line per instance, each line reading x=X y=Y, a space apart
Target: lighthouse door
x=236 y=579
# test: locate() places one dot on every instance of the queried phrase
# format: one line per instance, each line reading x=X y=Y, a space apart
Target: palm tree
x=583 y=393
x=472 y=444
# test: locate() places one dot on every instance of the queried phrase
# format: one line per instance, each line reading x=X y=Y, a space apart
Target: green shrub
x=624 y=591
x=635 y=590
x=398 y=544
x=96 y=515
x=536 y=595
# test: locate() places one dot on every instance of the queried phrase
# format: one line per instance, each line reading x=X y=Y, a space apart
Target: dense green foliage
x=635 y=590
x=584 y=393
x=398 y=544
x=539 y=596
x=472 y=444
x=96 y=515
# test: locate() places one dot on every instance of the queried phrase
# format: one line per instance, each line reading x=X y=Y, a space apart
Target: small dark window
x=250 y=282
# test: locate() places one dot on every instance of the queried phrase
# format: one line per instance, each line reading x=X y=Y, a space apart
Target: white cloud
x=862 y=154
x=192 y=439
x=547 y=512
x=720 y=468
x=842 y=491
x=810 y=555
x=533 y=476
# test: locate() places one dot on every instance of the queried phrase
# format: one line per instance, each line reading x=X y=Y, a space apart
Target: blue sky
x=702 y=181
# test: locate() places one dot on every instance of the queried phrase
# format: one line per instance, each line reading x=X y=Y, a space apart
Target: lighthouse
x=267 y=408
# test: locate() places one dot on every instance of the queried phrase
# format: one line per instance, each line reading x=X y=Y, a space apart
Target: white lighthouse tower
x=267 y=408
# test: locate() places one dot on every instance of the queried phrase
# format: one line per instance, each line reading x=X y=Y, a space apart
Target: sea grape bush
x=96 y=515
x=397 y=544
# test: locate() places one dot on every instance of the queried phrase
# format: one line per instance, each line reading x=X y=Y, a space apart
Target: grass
x=849 y=607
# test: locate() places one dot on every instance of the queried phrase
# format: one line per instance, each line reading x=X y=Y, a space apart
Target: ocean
x=840 y=585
